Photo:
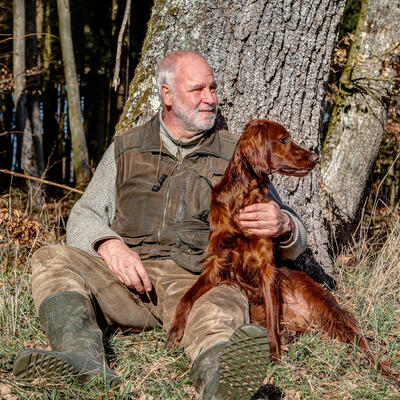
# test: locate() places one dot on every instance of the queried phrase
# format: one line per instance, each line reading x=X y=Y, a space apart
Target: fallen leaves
x=23 y=232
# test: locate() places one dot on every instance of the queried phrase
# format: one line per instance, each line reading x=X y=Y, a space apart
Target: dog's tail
x=341 y=324
x=324 y=313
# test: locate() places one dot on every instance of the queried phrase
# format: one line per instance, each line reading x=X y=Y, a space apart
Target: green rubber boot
x=233 y=370
x=75 y=339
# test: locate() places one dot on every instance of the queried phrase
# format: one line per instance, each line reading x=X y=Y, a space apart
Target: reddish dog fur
x=278 y=297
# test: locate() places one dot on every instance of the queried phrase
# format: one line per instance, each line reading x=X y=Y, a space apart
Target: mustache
x=212 y=108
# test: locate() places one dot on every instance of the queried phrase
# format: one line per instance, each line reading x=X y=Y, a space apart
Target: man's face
x=193 y=99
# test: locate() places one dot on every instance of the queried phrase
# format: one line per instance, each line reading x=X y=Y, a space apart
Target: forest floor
x=313 y=366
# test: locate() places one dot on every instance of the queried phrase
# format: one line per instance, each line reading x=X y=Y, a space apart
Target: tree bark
x=19 y=75
x=361 y=110
x=81 y=157
x=271 y=59
x=33 y=85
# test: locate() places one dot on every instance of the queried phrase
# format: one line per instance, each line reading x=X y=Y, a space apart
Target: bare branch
x=34 y=178
x=30 y=34
x=116 y=79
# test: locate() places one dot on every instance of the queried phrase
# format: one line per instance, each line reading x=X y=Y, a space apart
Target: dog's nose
x=314 y=157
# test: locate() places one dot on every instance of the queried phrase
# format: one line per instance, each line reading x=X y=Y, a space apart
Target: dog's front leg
x=201 y=286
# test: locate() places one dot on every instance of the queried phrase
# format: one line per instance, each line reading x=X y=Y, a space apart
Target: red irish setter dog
x=278 y=297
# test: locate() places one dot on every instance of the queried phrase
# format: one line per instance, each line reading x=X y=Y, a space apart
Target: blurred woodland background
x=36 y=115
x=75 y=73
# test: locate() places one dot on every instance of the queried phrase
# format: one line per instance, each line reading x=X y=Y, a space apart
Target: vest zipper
x=166 y=205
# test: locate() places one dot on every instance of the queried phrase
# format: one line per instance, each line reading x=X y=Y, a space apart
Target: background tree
x=32 y=85
x=271 y=60
x=361 y=110
x=81 y=156
x=19 y=73
x=94 y=30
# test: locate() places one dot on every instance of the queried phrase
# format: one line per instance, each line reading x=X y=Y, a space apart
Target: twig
x=34 y=178
x=116 y=79
x=8 y=132
x=30 y=34
x=367 y=78
x=388 y=51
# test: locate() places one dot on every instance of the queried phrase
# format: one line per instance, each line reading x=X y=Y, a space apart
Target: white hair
x=165 y=70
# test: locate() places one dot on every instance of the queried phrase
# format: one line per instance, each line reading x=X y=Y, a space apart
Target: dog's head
x=266 y=147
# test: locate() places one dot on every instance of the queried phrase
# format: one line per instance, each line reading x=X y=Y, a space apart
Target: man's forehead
x=194 y=64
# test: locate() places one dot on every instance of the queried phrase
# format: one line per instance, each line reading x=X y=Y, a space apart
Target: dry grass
x=313 y=366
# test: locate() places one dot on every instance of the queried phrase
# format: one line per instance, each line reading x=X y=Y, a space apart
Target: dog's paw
x=175 y=335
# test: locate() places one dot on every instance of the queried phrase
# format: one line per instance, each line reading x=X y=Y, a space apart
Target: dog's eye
x=284 y=139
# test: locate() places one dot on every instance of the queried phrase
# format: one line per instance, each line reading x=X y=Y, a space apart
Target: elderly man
x=135 y=243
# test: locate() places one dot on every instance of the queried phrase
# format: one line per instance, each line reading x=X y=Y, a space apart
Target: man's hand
x=265 y=220
x=125 y=264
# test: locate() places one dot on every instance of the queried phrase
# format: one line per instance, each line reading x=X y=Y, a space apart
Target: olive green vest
x=172 y=222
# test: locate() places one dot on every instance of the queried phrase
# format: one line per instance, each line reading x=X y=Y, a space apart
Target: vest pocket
x=198 y=193
x=192 y=240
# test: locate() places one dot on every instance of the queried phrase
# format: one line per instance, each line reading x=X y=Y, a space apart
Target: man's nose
x=209 y=96
x=314 y=157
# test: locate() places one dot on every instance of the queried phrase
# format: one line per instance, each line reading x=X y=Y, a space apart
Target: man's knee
x=44 y=254
x=214 y=317
x=53 y=271
x=227 y=298
x=54 y=255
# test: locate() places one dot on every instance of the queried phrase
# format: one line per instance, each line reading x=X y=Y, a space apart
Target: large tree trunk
x=361 y=110
x=81 y=157
x=271 y=59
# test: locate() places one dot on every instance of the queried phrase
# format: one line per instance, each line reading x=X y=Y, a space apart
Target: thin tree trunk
x=111 y=97
x=52 y=140
x=33 y=85
x=19 y=75
x=361 y=110
x=32 y=145
x=7 y=108
x=271 y=59
x=47 y=44
x=81 y=157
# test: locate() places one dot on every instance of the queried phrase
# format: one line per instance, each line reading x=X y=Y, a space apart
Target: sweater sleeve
x=92 y=215
x=299 y=243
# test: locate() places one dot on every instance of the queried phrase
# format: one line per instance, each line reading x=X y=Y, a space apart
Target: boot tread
x=243 y=363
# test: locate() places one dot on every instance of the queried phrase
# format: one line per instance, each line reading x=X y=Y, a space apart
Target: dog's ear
x=252 y=149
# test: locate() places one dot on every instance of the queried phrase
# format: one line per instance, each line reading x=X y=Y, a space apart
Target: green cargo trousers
x=213 y=318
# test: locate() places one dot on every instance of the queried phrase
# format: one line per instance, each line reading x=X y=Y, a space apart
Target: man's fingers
x=134 y=279
x=125 y=264
x=253 y=207
x=121 y=277
x=125 y=271
x=144 y=277
x=251 y=216
x=260 y=223
x=265 y=233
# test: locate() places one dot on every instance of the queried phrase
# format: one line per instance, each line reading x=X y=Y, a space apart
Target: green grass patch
x=313 y=366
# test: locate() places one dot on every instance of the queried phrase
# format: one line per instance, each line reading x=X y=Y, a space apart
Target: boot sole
x=34 y=363
x=243 y=363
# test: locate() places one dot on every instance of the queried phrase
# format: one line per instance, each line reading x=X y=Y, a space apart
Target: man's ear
x=254 y=149
x=166 y=94
x=248 y=154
